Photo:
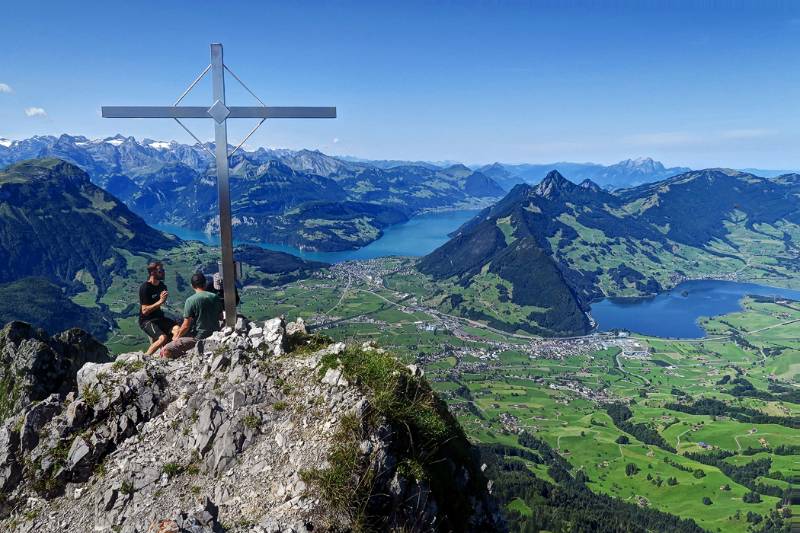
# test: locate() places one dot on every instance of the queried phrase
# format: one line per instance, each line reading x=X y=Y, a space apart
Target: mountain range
x=627 y=173
x=295 y=197
x=545 y=252
x=539 y=256
x=302 y=198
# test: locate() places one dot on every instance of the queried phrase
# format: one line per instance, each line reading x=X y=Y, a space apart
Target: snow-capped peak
x=6 y=142
x=116 y=140
x=160 y=145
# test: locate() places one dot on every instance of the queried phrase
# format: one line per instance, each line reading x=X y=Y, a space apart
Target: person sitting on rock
x=202 y=312
x=152 y=295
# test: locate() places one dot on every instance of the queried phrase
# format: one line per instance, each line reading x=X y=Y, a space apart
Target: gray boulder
x=33 y=365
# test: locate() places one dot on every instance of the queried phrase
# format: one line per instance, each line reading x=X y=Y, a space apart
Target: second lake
x=675 y=313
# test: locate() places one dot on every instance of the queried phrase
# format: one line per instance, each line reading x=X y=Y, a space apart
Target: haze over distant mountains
x=302 y=198
x=626 y=173
x=129 y=154
x=581 y=241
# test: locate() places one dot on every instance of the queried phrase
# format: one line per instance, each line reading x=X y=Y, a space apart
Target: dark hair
x=152 y=267
x=198 y=280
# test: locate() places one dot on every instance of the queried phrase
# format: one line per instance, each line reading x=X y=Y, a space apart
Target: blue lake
x=419 y=236
x=675 y=313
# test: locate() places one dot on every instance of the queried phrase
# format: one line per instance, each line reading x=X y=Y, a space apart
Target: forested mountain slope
x=714 y=223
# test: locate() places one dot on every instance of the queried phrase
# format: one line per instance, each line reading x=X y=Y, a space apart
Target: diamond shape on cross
x=219 y=111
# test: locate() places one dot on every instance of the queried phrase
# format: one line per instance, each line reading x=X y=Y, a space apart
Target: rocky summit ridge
x=260 y=428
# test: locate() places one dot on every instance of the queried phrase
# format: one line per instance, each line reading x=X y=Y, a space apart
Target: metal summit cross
x=220 y=113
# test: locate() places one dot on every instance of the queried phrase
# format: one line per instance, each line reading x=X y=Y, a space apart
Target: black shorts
x=157 y=327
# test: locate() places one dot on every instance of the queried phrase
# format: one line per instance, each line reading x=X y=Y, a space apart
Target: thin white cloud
x=35 y=112
x=335 y=140
x=5 y=88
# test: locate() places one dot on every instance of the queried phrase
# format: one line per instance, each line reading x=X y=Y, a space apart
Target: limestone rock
x=134 y=445
x=334 y=378
x=33 y=365
x=35 y=419
x=298 y=326
x=10 y=467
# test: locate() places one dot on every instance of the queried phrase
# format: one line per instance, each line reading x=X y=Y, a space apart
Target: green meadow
x=499 y=386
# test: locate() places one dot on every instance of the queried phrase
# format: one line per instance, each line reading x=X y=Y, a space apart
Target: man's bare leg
x=158 y=343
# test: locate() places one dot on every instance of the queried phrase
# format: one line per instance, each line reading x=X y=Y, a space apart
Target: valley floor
x=503 y=385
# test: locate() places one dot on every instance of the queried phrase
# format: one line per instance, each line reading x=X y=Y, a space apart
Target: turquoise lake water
x=675 y=313
x=419 y=236
x=670 y=314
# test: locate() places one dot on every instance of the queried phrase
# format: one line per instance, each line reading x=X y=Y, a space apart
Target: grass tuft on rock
x=306 y=343
x=430 y=445
x=90 y=396
x=172 y=469
x=341 y=484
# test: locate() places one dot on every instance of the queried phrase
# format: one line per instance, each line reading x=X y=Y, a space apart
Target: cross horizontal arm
x=202 y=112
x=155 y=112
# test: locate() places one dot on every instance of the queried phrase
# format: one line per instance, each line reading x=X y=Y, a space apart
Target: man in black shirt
x=152 y=295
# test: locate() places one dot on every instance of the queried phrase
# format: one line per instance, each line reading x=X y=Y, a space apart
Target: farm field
x=505 y=388
x=553 y=402
x=501 y=386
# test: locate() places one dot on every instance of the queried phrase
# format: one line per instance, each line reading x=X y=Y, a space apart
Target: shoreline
x=752 y=290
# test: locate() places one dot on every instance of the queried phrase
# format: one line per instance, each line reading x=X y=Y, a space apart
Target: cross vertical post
x=223 y=187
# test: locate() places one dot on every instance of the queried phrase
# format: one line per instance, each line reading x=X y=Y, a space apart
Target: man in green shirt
x=202 y=312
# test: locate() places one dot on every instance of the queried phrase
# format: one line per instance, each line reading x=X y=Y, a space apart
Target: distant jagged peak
x=159 y=145
x=640 y=165
x=590 y=185
x=556 y=177
x=307 y=151
x=66 y=138
x=496 y=166
x=640 y=161
x=553 y=184
x=118 y=139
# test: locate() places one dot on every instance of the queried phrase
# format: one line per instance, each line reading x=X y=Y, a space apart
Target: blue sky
x=690 y=83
